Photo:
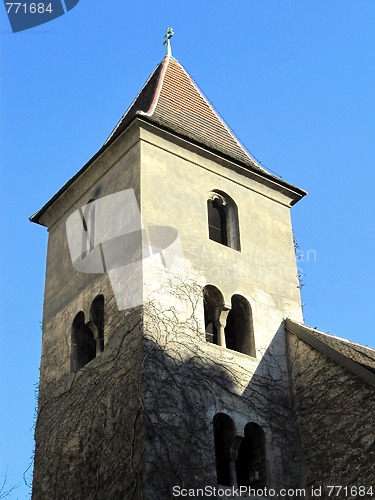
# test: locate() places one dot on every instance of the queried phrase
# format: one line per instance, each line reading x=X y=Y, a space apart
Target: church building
x=174 y=354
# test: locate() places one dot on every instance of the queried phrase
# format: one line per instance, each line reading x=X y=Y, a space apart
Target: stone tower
x=170 y=271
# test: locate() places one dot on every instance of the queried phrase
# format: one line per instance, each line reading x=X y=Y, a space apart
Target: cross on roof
x=168 y=35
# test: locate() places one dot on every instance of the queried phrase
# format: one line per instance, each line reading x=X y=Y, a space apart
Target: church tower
x=170 y=272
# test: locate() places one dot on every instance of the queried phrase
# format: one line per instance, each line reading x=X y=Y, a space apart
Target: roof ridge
x=221 y=120
x=135 y=100
x=170 y=97
x=155 y=100
x=330 y=335
x=339 y=352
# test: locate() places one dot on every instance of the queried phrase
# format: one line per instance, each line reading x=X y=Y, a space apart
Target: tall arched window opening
x=97 y=322
x=83 y=343
x=240 y=461
x=224 y=436
x=213 y=303
x=223 y=220
x=251 y=462
x=87 y=338
x=239 y=333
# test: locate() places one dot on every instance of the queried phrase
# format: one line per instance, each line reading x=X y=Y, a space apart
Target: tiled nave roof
x=354 y=357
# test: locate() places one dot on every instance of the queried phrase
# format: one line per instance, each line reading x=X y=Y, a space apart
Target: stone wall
x=187 y=381
x=138 y=418
x=335 y=410
x=90 y=429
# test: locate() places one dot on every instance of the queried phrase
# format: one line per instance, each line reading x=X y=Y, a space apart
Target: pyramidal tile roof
x=170 y=98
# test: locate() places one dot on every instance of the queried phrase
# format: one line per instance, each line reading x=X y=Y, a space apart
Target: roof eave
x=302 y=332
x=297 y=193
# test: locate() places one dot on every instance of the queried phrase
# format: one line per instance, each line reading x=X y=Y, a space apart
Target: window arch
x=222 y=216
x=83 y=343
x=224 y=437
x=87 y=338
x=213 y=303
x=239 y=333
x=240 y=461
x=97 y=321
x=251 y=464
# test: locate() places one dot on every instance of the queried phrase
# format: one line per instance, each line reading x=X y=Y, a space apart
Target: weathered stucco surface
x=193 y=381
x=138 y=419
x=336 y=415
x=90 y=428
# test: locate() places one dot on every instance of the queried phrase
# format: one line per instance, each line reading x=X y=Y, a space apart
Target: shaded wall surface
x=335 y=410
x=89 y=431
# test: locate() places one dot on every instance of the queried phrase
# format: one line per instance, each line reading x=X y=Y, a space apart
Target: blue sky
x=295 y=79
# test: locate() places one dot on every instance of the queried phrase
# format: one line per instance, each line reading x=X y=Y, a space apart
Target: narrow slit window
x=88 y=228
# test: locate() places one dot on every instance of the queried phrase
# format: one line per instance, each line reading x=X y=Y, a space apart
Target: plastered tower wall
x=195 y=380
x=68 y=291
x=176 y=179
x=138 y=418
x=89 y=429
x=150 y=397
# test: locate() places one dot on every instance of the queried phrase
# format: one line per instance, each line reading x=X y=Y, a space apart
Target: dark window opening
x=239 y=334
x=251 y=461
x=88 y=233
x=230 y=332
x=211 y=333
x=87 y=338
x=239 y=461
x=97 y=318
x=217 y=222
x=223 y=220
x=224 y=436
x=83 y=343
x=213 y=303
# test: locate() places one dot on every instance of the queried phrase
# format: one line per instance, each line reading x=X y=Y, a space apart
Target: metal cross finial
x=168 y=35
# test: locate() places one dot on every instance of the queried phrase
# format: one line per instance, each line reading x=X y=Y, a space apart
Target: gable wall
x=335 y=411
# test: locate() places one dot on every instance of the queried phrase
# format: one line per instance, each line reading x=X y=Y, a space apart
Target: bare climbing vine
x=137 y=420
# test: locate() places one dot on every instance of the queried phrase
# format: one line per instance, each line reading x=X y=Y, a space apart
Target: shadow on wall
x=216 y=417
x=163 y=409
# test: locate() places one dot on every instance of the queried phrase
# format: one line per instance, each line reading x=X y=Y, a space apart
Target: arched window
x=87 y=338
x=213 y=303
x=224 y=436
x=223 y=220
x=83 y=343
x=251 y=462
x=97 y=322
x=240 y=461
x=239 y=334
